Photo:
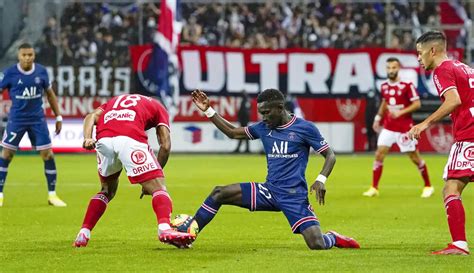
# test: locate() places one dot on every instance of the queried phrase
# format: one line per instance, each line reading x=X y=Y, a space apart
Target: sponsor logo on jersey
x=469 y=153
x=121 y=115
x=138 y=157
x=29 y=93
x=280 y=150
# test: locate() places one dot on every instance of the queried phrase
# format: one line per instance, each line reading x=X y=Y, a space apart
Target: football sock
x=3 y=172
x=424 y=173
x=206 y=212
x=329 y=240
x=162 y=206
x=377 y=173
x=96 y=208
x=50 y=172
x=456 y=217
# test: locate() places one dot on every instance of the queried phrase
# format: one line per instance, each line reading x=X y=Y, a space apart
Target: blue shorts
x=38 y=134
x=297 y=209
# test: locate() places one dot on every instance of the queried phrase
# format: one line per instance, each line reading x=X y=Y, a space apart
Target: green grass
x=396 y=230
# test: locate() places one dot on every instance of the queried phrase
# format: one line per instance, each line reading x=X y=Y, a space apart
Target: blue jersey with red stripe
x=287 y=149
x=26 y=89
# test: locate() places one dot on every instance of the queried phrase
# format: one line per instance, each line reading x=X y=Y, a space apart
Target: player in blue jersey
x=27 y=82
x=287 y=141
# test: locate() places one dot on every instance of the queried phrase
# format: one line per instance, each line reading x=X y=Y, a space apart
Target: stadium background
x=317 y=52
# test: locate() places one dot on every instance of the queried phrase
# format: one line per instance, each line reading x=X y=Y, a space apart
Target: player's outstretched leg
x=456 y=218
x=163 y=206
x=226 y=195
x=95 y=210
x=316 y=240
x=51 y=174
x=5 y=159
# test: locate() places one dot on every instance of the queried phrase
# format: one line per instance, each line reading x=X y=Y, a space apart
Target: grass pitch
x=396 y=230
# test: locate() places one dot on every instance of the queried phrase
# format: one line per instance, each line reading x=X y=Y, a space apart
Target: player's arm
x=201 y=100
x=53 y=103
x=415 y=105
x=451 y=102
x=89 y=121
x=164 y=139
x=319 y=185
x=382 y=109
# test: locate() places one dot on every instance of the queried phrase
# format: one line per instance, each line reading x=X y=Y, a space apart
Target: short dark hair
x=25 y=46
x=432 y=35
x=393 y=59
x=270 y=95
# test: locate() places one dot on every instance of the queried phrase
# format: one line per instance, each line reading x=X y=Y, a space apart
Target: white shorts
x=136 y=157
x=460 y=161
x=388 y=138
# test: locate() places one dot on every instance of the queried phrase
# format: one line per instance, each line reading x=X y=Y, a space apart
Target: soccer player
x=455 y=84
x=287 y=141
x=399 y=100
x=122 y=141
x=27 y=82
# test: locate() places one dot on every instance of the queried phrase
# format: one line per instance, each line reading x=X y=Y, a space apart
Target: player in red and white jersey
x=399 y=100
x=122 y=143
x=455 y=84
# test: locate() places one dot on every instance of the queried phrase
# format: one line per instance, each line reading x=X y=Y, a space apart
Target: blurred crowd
x=99 y=34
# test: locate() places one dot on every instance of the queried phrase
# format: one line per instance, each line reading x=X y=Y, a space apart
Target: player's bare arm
x=319 y=185
x=89 y=121
x=164 y=139
x=201 y=100
x=451 y=102
x=53 y=103
x=382 y=109
x=415 y=105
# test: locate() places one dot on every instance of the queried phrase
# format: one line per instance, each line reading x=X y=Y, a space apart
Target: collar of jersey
x=25 y=72
x=292 y=120
x=393 y=83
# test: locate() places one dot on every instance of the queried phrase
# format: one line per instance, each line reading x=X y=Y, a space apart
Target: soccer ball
x=185 y=223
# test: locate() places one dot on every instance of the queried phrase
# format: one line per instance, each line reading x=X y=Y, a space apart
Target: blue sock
x=329 y=240
x=206 y=212
x=50 y=172
x=3 y=172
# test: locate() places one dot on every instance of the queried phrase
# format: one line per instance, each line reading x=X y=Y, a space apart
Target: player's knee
x=217 y=194
x=47 y=155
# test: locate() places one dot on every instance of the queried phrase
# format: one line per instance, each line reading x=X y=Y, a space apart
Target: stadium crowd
x=99 y=34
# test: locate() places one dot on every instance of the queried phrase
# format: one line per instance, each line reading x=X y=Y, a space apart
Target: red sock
x=162 y=205
x=456 y=217
x=96 y=208
x=424 y=173
x=377 y=173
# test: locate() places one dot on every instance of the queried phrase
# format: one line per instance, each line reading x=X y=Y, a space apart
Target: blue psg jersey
x=26 y=89
x=287 y=149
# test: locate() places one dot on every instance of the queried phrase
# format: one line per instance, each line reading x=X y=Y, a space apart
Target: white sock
x=461 y=244
x=86 y=231
x=1 y=194
x=162 y=227
x=51 y=193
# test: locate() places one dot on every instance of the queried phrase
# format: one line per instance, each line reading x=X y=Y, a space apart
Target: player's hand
x=88 y=143
x=376 y=126
x=200 y=99
x=320 y=189
x=59 y=126
x=415 y=131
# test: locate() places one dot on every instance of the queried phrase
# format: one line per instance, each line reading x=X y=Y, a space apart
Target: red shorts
x=460 y=162
x=139 y=161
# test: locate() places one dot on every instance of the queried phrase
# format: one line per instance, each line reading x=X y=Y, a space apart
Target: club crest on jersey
x=138 y=157
x=292 y=136
x=37 y=80
x=124 y=114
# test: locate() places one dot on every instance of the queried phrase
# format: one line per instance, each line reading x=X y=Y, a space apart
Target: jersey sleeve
x=162 y=117
x=444 y=79
x=103 y=106
x=412 y=92
x=314 y=138
x=46 y=83
x=4 y=80
x=253 y=131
